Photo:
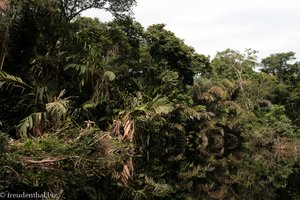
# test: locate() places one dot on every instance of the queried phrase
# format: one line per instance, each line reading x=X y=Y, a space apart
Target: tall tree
x=287 y=72
x=279 y=64
x=172 y=53
x=72 y=8
x=233 y=65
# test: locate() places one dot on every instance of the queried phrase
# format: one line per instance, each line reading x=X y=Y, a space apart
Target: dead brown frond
x=116 y=127
x=124 y=127
x=127 y=172
x=128 y=128
x=37 y=130
x=4 y=6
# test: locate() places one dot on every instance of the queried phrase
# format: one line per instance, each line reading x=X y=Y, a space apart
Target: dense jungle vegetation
x=111 y=110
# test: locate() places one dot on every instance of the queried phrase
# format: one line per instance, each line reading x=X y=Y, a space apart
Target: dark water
x=169 y=169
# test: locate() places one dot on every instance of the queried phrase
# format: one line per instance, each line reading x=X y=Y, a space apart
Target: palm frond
x=158 y=189
x=11 y=81
x=29 y=122
x=59 y=107
x=80 y=68
x=196 y=171
x=160 y=106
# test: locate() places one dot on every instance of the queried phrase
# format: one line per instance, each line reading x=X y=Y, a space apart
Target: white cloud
x=269 y=26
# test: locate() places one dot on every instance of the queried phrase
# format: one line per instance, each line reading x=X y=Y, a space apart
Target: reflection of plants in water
x=245 y=175
x=96 y=165
x=241 y=174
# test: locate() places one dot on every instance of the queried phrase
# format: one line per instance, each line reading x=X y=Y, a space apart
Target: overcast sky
x=269 y=26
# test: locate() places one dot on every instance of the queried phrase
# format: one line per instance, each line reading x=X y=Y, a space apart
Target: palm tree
x=33 y=104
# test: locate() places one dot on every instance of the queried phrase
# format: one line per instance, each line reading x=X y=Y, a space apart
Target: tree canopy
x=75 y=93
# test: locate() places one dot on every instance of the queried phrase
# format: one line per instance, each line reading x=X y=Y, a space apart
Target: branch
x=44 y=161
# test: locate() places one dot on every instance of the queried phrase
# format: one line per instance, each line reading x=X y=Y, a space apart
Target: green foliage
x=158 y=189
x=286 y=71
x=58 y=108
x=109 y=75
x=160 y=106
x=278 y=64
x=28 y=123
x=3 y=142
x=11 y=81
x=171 y=53
x=233 y=65
x=89 y=94
x=71 y=8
